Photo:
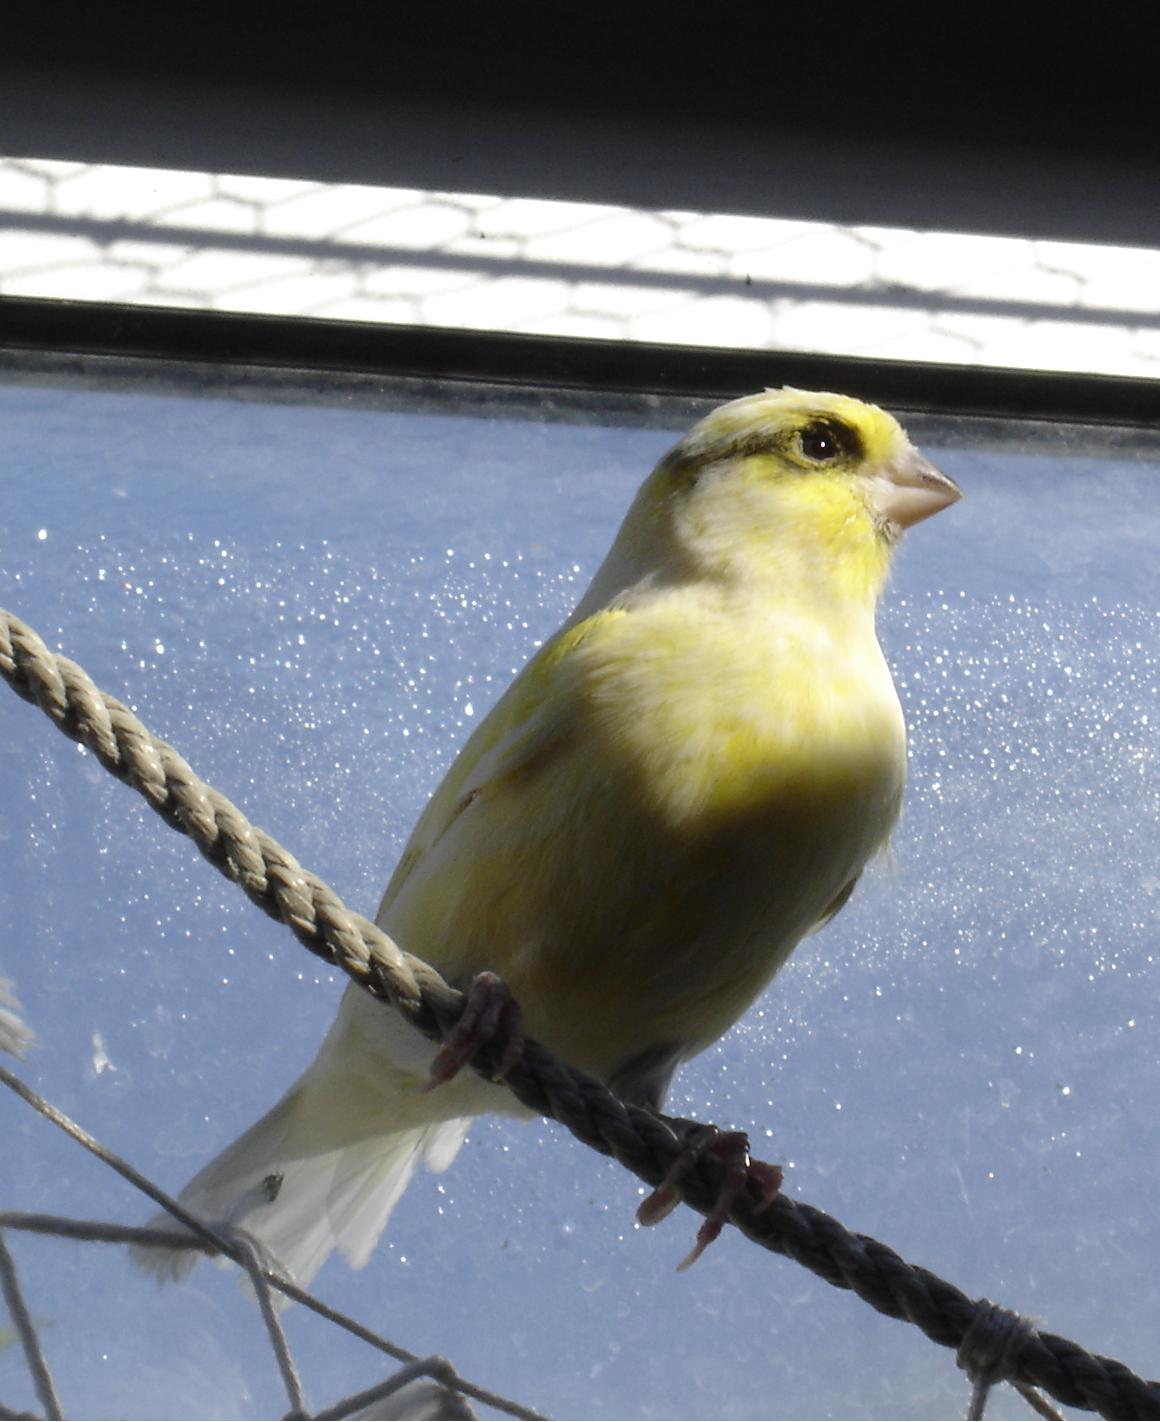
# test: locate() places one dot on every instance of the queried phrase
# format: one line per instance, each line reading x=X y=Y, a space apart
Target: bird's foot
x=741 y=1173
x=491 y=1016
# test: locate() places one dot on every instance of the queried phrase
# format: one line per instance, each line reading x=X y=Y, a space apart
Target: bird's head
x=807 y=491
x=794 y=494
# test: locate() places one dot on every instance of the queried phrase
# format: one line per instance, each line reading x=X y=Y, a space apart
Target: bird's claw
x=732 y=1149
x=490 y=1016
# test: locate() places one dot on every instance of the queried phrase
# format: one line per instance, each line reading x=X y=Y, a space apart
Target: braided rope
x=640 y=1140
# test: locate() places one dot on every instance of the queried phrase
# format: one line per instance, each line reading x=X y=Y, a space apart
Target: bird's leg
x=732 y=1149
x=490 y=1016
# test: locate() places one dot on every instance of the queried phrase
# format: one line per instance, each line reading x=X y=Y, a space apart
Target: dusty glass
x=315 y=588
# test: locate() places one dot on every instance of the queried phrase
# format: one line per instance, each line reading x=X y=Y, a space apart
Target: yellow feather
x=687 y=779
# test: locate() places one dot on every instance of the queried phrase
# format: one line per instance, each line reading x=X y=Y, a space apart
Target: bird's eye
x=821 y=443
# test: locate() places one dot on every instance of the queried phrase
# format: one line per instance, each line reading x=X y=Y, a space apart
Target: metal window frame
x=64 y=337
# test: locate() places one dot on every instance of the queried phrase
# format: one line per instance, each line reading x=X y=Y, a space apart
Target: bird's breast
x=725 y=718
x=715 y=788
x=732 y=785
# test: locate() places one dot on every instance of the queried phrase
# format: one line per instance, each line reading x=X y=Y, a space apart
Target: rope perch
x=640 y=1140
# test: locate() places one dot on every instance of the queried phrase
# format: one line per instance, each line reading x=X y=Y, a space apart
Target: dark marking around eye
x=824 y=441
x=817 y=441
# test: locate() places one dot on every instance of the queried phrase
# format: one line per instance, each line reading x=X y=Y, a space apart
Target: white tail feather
x=339 y=1198
x=325 y=1168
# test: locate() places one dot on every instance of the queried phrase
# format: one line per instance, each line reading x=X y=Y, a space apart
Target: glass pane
x=314 y=594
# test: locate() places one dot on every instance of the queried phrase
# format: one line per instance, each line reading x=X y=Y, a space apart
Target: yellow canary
x=685 y=780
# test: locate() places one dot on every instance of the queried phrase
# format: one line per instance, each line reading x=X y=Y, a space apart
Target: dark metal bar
x=65 y=329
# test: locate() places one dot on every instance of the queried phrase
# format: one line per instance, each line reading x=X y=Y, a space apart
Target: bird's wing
x=839 y=902
x=535 y=717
